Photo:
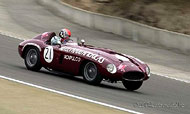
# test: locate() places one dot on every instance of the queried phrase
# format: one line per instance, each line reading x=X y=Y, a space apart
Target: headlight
x=148 y=71
x=111 y=68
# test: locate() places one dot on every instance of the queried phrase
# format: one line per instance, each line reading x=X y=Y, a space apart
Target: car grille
x=133 y=76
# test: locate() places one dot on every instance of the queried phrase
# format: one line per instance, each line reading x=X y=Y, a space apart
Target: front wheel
x=132 y=85
x=32 y=59
x=91 y=74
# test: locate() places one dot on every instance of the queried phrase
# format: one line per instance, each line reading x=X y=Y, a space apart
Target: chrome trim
x=32 y=44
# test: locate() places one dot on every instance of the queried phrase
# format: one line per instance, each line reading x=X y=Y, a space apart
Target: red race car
x=94 y=64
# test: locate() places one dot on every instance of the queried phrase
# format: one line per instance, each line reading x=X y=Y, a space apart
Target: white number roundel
x=48 y=54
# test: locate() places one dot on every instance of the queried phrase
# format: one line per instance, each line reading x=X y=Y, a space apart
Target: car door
x=57 y=59
x=51 y=56
x=69 y=61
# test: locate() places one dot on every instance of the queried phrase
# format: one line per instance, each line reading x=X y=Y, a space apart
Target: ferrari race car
x=79 y=59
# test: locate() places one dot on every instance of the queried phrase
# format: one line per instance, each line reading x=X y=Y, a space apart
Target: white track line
x=173 y=78
x=70 y=95
x=9 y=35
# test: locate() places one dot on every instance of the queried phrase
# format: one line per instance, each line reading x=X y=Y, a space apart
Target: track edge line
x=70 y=95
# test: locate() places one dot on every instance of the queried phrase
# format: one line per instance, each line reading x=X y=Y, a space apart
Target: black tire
x=32 y=59
x=132 y=85
x=91 y=74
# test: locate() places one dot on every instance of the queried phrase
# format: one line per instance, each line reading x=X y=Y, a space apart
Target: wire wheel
x=32 y=59
x=90 y=73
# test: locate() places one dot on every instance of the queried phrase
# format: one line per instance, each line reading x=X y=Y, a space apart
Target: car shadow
x=80 y=79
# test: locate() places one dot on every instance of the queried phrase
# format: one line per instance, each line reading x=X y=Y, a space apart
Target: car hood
x=104 y=52
x=114 y=56
x=110 y=55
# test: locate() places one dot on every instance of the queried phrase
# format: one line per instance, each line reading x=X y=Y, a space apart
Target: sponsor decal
x=72 y=58
x=48 y=54
x=88 y=54
x=121 y=67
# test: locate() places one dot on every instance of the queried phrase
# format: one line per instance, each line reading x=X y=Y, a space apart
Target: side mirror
x=82 y=42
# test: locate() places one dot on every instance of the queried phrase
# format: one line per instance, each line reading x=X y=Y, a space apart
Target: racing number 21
x=48 y=54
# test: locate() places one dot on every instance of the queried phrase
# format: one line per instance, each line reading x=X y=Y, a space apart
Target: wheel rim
x=31 y=57
x=90 y=71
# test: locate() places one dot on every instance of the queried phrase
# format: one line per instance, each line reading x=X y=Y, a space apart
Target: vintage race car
x=79 y=59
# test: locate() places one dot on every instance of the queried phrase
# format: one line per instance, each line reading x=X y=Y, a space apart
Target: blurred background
x=173 y=15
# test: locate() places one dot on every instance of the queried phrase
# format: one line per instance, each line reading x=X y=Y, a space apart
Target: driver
x=64 y=37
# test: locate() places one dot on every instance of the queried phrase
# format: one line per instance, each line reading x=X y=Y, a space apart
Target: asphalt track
x=158 y=90
x=148 y=99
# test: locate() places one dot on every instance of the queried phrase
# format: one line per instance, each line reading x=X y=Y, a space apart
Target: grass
x=16 y=98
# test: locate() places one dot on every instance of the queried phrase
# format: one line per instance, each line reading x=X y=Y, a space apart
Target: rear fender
x=27 y=45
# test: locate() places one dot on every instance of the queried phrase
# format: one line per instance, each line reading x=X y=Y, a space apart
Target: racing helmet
x=65 y=33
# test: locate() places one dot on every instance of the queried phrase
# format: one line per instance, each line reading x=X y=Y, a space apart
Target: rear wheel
x=132 y=85
x=32 y=59
x=91 y=74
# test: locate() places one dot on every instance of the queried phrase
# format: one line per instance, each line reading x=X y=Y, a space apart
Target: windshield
x=72 y=41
